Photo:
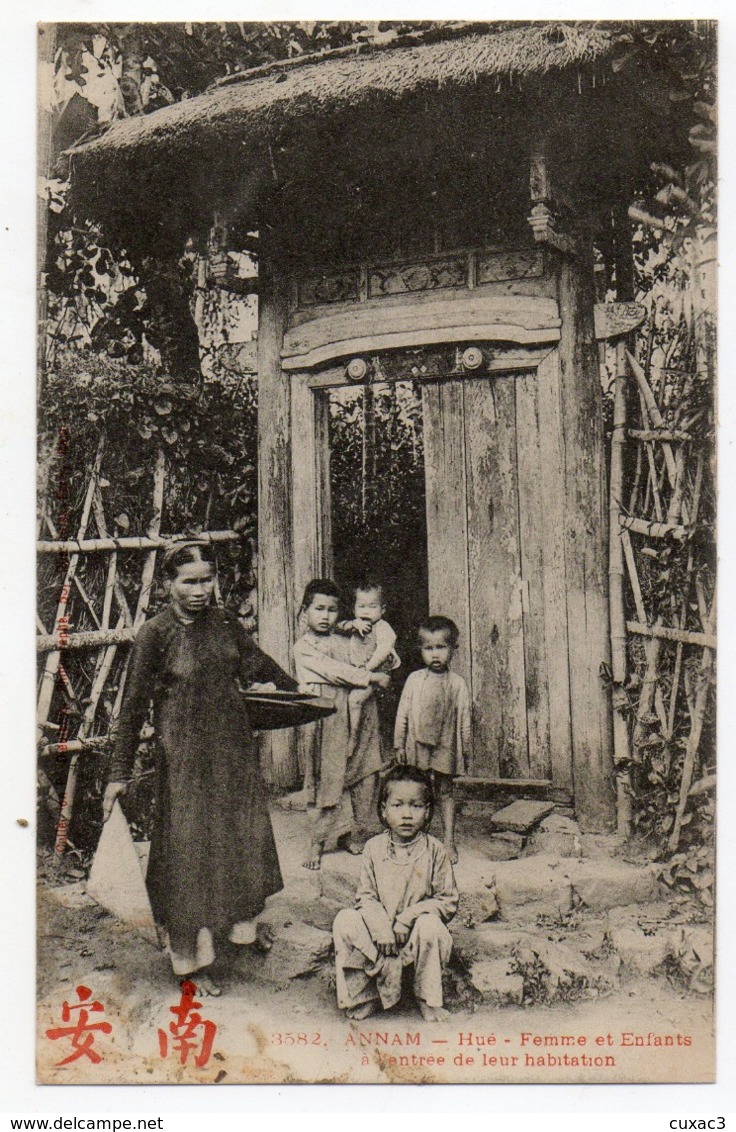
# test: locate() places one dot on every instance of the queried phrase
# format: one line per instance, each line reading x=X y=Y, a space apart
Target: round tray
x=270 y=711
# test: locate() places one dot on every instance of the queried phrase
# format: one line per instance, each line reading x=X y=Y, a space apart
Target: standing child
x=406 y=894
x=340 y=756
x=372 y=642
x=433 y=726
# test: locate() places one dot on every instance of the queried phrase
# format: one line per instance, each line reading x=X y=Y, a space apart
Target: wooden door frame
x=310 y=479
x=583 y=614
x=310 y=454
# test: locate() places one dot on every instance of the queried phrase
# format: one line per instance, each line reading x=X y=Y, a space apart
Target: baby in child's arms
x=372 y=641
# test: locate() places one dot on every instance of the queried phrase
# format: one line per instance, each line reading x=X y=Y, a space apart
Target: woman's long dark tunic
x=213 y=858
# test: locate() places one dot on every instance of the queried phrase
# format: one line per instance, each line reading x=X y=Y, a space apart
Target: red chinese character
x=82 y=1033
x=183 y=1030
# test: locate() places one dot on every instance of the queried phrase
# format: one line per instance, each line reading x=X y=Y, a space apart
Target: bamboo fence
x=85 y=652
x=662 y=635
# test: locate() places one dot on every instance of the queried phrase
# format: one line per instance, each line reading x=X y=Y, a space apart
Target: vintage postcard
x=376 y=620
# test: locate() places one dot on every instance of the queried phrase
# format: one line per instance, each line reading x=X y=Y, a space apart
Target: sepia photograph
x=376 y=552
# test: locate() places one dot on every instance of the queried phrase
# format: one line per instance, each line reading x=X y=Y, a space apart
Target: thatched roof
x=159 y=170
x=259 y=105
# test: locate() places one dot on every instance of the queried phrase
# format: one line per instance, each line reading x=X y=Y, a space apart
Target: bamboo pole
x=633 y=498
x=653 y=529
x=660 y=434
x=145 y=591
x=99 y=513
x=76 y=580
x=51 y=667
x=88 y=720
x=130 y=542
x=92 y=639
x=633 y=575
x=696 y=729
x=112 y=568
x=154 y=528
x=159 y=478
x=67 y=684
x=665 y=633
x=654 y=482
x=653 y=410
x=73 y=746
x=109 y=589
x=621 y=746
x=648 y=693
x=697 y=487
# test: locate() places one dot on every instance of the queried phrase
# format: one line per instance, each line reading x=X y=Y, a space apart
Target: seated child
x=406 y=894
x=372 y=642
x=433 y=725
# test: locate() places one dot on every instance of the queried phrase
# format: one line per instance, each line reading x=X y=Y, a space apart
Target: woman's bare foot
x=365 y=1010
x=314 y=858
x=206 y=985
x=432 y=1013
x=451 y=851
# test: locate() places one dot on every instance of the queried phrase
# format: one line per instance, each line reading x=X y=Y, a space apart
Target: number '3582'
x=292 y=1038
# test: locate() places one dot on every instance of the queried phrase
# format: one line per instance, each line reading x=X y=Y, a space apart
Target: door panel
x=447 y=532
x=533 y=501
x=494 y=570
x=550 y=529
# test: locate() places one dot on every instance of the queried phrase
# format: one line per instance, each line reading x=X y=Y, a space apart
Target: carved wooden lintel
x=420 y=320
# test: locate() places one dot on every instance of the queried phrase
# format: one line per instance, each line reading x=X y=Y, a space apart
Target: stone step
x=612 y=883
x=338 y=877
x=518 y=890
x=297 y=950
x=549 y=885
x=497 y=982
x=555 y=836
x=503 y=845
x=531 y=887
x=522 y=816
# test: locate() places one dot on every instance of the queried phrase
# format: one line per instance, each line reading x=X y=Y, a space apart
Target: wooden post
x=276 y=611
x=310 y=482
x=621 y=746
x=585 y=545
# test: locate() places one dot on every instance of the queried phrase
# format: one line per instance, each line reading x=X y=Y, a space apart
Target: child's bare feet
x=451 y=850
x=355 y=847
x=206 y=985
x=432 y=1013
x=314 y=857
x=363 y=1011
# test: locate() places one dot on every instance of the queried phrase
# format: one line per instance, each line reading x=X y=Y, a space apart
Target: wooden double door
x=495 y=492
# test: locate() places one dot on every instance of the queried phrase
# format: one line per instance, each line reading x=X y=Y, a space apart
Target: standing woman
x=213 y=857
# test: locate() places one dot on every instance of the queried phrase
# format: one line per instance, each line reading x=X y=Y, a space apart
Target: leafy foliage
x=377 y=484
x=208 y=434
